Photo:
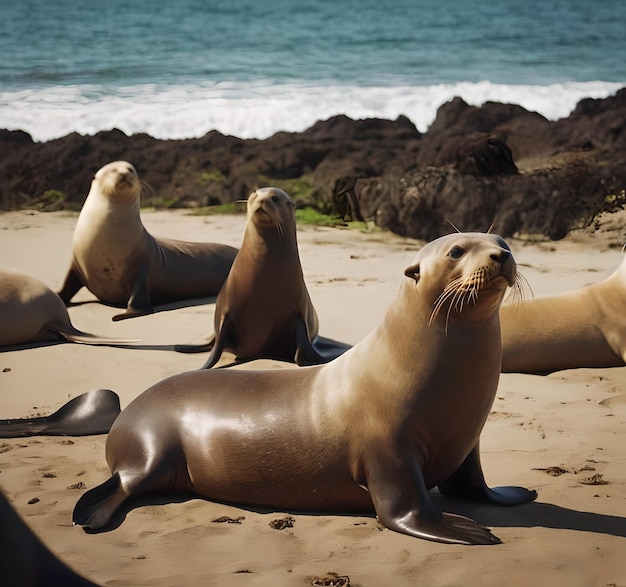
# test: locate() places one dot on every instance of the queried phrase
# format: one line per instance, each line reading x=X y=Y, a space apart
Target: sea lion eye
x=456 y=253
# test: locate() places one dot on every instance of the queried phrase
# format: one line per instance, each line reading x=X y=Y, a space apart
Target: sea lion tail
x=95 y=508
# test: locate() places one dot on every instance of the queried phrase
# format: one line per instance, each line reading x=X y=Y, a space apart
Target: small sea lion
x=122 y=264
x=264 y=309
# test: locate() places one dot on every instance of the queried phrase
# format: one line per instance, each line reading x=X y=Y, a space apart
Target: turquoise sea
x=177 y=69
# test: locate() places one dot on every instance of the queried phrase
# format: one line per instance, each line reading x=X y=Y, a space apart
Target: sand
x=573 y=535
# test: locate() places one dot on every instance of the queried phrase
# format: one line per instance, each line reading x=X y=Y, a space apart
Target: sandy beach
x=570 y=423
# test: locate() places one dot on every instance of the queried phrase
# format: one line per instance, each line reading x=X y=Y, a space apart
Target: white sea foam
x=259 y=110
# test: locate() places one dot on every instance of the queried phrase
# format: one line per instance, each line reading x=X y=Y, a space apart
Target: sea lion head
x=463 y=275
x=117 y=181
x=271 y=208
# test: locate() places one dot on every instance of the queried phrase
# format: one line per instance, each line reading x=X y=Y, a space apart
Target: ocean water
x=250 y=68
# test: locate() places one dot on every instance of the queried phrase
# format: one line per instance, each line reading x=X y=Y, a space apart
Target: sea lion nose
x=501 y=256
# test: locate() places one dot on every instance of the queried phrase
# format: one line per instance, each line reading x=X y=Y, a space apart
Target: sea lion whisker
x=452 y=225
x=459 y=292
x=448 y=291
x=473 y=297
x=146 y=188
x=280 y=229
x=439 y=302
x=450 y=294
x=448 y=318
x=451 y=291
x=459 y=297
x=518 y=291
x=467 y=286
x=471 y=293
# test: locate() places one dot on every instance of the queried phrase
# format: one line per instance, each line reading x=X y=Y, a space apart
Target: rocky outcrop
x=498 y=165
x=567 y=172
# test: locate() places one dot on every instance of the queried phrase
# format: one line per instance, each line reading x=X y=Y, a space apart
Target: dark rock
x=476 y=166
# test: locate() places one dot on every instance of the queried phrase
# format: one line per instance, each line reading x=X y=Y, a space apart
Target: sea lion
x=585 y=327
x=264 y=309
x=25 y=560
x=30 y=311
x=122 y=264
x=399 y=413
x=88 y=414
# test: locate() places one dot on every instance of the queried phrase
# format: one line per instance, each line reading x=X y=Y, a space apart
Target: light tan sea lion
x=122 y=264
x=264 y=309
x=30 y=311
x=585 y=327
x=397 y=414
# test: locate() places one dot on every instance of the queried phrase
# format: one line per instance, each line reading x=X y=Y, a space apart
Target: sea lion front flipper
x=468 y=483
x=71 y=285
x=402 y=503
x=139 y=303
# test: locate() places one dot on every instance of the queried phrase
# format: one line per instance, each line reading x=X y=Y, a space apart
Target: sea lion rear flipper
x=222 y=338
x=71 y=286
x=402 y=503
x=95 y=508
x=468 y=483
x=196 y=348
x=139 y=303
x=306 y=354
x=80 y=337
x=330 y=349
x=66 y=330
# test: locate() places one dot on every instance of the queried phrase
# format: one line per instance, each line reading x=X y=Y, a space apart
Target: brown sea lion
x=264 y=309
x=585 y=327
x=399 y=413
x=122 y=264
x=30 y=311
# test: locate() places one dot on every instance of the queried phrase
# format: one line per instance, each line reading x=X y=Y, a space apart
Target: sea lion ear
x=413 y=271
